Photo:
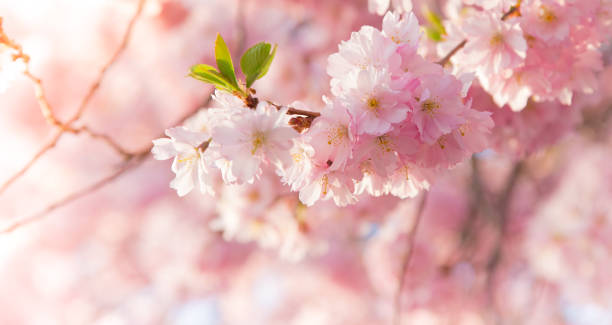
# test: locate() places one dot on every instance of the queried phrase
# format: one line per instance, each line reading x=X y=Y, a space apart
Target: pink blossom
x=374 y=104
x=333 y=135
x=407 y=180
x=190 y=165
x=494 y=46
x=402 y=30
x=366 y=48
x=473 y=134
x=296 y=174
x=258 y=136
x=381 y=6
x=328 y=185
x=438 y=106
x=546 y=19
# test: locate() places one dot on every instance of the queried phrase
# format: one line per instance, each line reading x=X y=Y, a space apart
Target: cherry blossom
x=190 y=164
x=253 y=138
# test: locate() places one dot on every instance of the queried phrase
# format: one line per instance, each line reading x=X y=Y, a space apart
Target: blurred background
x=92 y=233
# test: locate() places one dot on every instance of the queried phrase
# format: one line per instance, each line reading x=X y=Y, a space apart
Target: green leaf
x=208 y=74
x=435 y=21
x=224 y=61
x=433 y=34
x=267 y=64
x=202 y=68
x=256 y=61
x=254 y=57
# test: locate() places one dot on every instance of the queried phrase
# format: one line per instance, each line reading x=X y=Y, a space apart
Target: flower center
x=547 y=15
x=406 y=170
x=324 y=184
x=336 y=135
x=258 y=140
x=384 y=143
x=373 y=103
x=188 y=158
x=442 y=142
x=253 y=195
x=430 y=106
x=497 y=39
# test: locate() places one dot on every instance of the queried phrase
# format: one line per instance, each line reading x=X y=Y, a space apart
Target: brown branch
x=31 y=162
x=502 y=216
x=106 y=139
x=46 y=108
x=137 y=160
x=43 y=103
x=450 y=54
x=502 y=224
x=406 y=261
x=122 y=46
x=132 y=160
x=514 y=11
x=296 y=111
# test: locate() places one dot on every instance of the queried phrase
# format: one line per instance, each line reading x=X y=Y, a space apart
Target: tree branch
x=47 y=110
x=397 y=306
x=132 y=160
x=137 y=160
x=502 y=222
x=296 y=111
x=450 y=54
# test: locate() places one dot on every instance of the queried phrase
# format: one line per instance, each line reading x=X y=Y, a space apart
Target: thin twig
x=75 y=195
x=502 y=223
x=406 y=261
x=514 y=11
x=122 y=46
x=31 y=162
x=132 y=160
x=46 y=108
x=106 y=139
x=43 y=102
x=296 y=111
x=502 y=207
x=450 y=54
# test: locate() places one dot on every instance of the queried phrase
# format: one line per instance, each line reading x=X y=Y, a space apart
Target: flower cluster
x=541 y=49
x=394 y=120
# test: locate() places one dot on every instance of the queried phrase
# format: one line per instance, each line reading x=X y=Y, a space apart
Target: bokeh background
x=520 y=234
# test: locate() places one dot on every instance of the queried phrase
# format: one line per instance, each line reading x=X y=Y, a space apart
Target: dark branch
x=406 y=261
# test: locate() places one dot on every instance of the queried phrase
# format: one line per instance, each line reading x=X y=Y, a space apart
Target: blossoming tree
x=355 y=162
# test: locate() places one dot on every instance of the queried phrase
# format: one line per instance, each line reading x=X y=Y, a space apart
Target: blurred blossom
x=507 y=144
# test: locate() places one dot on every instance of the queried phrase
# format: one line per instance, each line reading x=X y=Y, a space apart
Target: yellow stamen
x=297 y=157
x=373 y=103
x=430 y=106
x=253 y=196
x=336 y=136
x=384 y=142
x=406 y=171
x=324 y=184
x=547 y=15
x=497 y=39
x=188 y=158
x=442 y=142
x=463 y=129
x=258 y=140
